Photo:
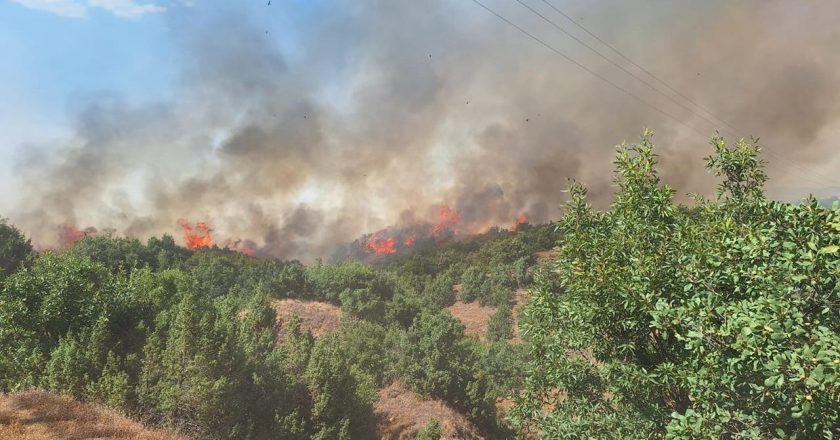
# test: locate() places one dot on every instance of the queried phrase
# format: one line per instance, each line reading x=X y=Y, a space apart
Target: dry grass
x=548 y=255
x=475 y=317
x=316 y=317
x=38 y=415
x=402 y=414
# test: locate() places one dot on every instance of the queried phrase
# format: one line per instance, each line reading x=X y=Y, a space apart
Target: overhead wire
x=587 y=69
x=633 y=63
x=619 y=87
x=739 y=133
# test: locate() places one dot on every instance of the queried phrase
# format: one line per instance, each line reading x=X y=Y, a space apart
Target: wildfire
x=198 y=236
x=244 y=247
x=409 y=242
x=381 y=243
x=521 y=219
x=447 y=219
x=69 y=234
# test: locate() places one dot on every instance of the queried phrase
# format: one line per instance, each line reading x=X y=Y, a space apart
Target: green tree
x=15 y=249
x=342 y=394
x=473 y=284
x=717 y=321
x=432 y=431
x=500 y=325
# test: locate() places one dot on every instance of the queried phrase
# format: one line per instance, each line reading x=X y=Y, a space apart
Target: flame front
x=69 y=234
x=447 y=219
x=244 y=247
x=198 y=236
x=381 y=244
x=409 y=242
x=521 y=219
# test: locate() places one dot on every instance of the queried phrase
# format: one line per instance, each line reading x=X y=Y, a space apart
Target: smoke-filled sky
x=303 y=124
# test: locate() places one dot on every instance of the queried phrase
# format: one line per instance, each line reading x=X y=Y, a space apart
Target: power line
x=617 y=86
x=634 y=64
x=735 y=130
x=586 y=69
x=622 y=68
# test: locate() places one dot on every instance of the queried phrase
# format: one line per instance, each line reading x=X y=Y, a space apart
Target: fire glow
x=392 y=240
x=381 y=243
x=69 y=234
x=244 y=247
x=521 y=219
x=198 y=236
x=447 y=219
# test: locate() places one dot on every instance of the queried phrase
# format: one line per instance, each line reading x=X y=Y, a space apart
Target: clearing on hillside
x=318 y=318
x=475 y=317
x=38 y=415
x=402 y=413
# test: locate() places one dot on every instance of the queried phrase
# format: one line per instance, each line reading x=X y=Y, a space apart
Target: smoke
x=376 y=113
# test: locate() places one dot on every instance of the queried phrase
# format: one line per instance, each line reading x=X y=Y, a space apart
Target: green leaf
x=830 y=249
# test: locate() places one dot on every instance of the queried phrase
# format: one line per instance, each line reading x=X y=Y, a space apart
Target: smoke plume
x=377 y=113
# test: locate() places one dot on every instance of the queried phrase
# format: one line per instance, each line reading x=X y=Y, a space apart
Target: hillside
x=37 y=415
x=317 y=318
x=402 y=414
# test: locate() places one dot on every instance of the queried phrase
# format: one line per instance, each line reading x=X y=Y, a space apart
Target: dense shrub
x=473 y=284
x=717 y=321
x=500 y=325
x=15 y=249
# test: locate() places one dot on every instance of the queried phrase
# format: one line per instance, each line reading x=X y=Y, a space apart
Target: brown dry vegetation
x=38 y=415
x=318 y=318
x=547 y=255
x=475 y=317
x=402 y=413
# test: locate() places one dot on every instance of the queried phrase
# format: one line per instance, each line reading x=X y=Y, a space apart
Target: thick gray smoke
x=381 y=111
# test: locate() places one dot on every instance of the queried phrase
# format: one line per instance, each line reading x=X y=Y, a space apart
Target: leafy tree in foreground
x=15 y=249
x=718 y=321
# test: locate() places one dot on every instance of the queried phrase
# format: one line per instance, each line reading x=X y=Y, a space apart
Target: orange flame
x=244 y=247
x=197 y=236
x=380 y=244
x=447 y=219
x=521 y=219
x=69 y=234
x=409 y=242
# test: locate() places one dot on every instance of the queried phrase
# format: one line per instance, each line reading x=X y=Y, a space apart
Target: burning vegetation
x=196 y=236
x=69 y=234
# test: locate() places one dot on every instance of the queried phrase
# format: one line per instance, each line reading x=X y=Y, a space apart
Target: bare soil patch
x=38 y=415
x=318 y=318
x=475 y=317
x=547 y=255
x=402 y=413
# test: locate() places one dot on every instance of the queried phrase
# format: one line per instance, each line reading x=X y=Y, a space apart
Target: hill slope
x=38 y=415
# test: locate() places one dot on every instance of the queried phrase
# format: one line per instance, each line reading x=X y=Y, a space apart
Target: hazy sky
x=302 y=124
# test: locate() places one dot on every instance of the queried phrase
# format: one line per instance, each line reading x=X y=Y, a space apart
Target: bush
x=473 y=286
x=718 y=321
x=438 y=292
x=432 y=431
x=15 y=249
x=500 y=325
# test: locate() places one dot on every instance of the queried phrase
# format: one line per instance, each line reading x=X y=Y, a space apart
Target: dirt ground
x=38 y=415
x=402 y=413
x=475 y=317
x=319 y=318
